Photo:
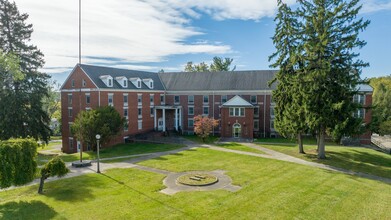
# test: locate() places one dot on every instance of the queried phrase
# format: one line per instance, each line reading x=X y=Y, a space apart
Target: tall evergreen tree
x=325 y=64
x=289 y=114
x=21 y=108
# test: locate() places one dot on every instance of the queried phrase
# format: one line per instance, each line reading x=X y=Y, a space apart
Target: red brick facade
x=79 y=92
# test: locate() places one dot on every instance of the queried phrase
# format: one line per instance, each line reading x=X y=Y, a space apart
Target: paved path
x=270 y=154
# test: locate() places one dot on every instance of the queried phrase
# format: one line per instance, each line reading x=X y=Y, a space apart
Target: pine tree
x=289 y=114
x=317 y=55
x=21 y=108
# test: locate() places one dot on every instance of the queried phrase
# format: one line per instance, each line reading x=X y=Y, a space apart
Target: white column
x=154 y=119
x=176 y=119
x=164 y=120
x=180 y=118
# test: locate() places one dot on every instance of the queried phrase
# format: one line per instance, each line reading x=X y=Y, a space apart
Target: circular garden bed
x=197 y=179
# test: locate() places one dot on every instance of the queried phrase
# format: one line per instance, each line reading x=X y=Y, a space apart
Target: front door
x=160 y=124
x=237 y=130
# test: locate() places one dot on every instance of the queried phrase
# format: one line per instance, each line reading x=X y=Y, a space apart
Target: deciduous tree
x=17 y=162
x=55 y=167
x=218 y=65
x=203 y=126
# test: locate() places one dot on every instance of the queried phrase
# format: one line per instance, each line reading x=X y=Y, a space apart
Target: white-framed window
x=152 y=112
x=190 y=122
x=152 y=99
x=223 y=99
x=162 y=99
x=109 y=82
x=126 y=99
x=70 y=112
x=73 y=83
x=253 y=99
x=70 y=143
x=84 y=83
x=88 y=98
x=139 y=84
x=205 y=110
x=69 y=98
x=190 y=99
x=359 y=113
x=139 y=99
x=206 y=99
x=190 y=110
x=125 y=83
x=256 y=112
x=140 y=124
x=110 y=99
x=271 y=111
x=140 y=112
x=359 y=98
x=70 y=128
x=151 y=84
x=88 y=109
x=272 y=125
x=256 y=125
x=126 y=126
x=176 y=99
x=126 y=112
x=236 y=112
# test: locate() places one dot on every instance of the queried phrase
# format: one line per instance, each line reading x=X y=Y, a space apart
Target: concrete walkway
x=270 y=154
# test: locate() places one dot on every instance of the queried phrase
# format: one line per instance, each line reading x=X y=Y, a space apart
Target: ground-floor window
x=190 y=122
x=256 y=125
x=140 y=124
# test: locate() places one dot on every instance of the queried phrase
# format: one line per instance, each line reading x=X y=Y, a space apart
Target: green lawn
x=271 y=189
x=118 y=150
x=237 y=146
x=49 y=146
x=306 y=140
x=351 y=158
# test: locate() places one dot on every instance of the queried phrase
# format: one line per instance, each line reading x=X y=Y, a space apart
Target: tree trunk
x=40 y=189
x=300 y=141
x=317 y=140
x=321 y=145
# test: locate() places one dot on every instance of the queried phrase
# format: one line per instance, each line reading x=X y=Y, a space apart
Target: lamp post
x=97 y=149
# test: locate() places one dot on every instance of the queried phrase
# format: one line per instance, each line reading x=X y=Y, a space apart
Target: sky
x=152 y=35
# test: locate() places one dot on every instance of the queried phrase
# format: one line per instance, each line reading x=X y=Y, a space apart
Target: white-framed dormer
x=123 y=81
x=136 y=82
x=107 y=80
x=148 y=82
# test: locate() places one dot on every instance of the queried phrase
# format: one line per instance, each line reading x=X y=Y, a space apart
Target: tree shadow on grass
x=147 y=196
x=26 y=210
x=73 y=189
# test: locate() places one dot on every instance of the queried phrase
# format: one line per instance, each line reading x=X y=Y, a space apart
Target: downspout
x=264 y=114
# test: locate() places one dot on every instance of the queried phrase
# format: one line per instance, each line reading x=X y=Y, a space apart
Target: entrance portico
x=161 y=123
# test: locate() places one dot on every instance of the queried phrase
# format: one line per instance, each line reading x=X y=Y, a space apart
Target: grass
x=271 y=189
x=195 y=138
x=49 y=146
x=306 y=140
x=240 y=147
x=351 y=158
x=118 y=150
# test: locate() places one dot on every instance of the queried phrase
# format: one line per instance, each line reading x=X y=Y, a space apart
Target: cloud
x=137 y=31
x=370 y=6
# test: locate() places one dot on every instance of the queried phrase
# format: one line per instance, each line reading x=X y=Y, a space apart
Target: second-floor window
x=152 y=99
x=176 y=99
x=140 y=99
x=69 y=99
x=162 y=99
x=359 y=98
x=223 y=99
x=236 y=112
x=253 y=99
x=191 y=110
x=125 y=99
x=205 y=111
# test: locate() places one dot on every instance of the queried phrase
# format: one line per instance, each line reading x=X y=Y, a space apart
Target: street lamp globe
x=97 y=137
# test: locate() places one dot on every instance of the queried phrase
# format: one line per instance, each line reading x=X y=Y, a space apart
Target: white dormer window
x=148 y=82
x=122 y=80
x=136 y=82
x=107 y=80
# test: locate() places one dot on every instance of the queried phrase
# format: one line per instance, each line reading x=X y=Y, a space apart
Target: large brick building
x=241 y=100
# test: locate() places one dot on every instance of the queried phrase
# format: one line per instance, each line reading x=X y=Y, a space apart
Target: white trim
x=220 y=92
x=111 y=90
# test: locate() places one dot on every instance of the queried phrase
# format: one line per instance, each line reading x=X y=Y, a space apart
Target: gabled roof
x=94 y=72
x=364 y=88
x=237 y=101
x=218 y=81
